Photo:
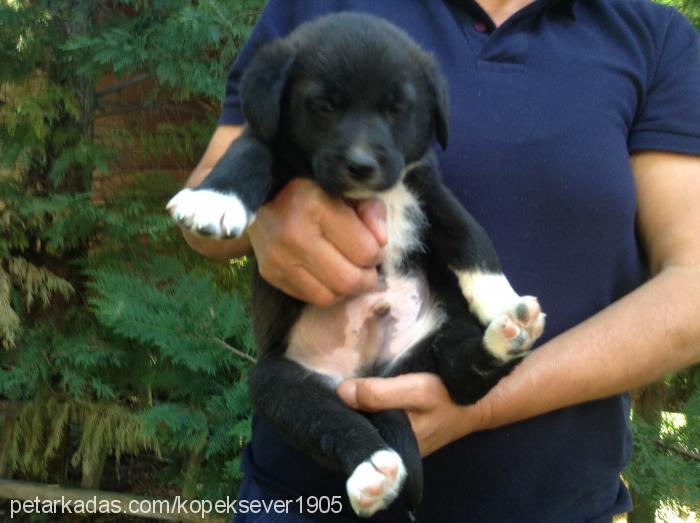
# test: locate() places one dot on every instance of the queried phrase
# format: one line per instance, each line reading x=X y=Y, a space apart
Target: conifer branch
x=236 y=351
x=123 y=106
x=123 y=85
x=679 y=450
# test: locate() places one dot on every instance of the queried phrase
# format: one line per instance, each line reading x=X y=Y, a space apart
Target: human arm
x=216 y=248
x=640 y=338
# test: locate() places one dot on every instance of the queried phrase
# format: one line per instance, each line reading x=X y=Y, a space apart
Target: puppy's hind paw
x=210 y=213
x=376 y=482
x=510 y=335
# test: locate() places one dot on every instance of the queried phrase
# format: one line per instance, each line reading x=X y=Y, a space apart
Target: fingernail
x=381 y=209
x=373 y=214
x=381 y=221
x=347 y=391
x=381 y=233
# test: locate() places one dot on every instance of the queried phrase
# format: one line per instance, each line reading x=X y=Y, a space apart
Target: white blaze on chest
x=404 y=221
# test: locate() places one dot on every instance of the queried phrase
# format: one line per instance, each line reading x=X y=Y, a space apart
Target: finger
x=344 y=229
x=306 y=266
x=303 y=286
x=337 y=273
x=409 y=392
x=373 y=214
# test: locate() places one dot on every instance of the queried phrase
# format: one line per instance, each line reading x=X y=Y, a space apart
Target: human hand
x=435 y=418
x=318 y=248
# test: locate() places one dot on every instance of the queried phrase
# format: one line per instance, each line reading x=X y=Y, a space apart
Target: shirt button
x=480 y=27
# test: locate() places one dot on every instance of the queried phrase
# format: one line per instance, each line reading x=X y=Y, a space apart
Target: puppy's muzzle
x=361 y=165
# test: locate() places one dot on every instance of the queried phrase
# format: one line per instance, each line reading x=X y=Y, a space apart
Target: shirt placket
x=501 y=48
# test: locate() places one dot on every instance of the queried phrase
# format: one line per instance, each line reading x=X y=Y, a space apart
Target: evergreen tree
x=116 y=339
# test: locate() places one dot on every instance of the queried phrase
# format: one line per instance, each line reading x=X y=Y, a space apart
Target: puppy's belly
x=351 y=336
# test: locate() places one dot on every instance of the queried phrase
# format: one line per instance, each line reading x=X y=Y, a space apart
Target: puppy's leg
x=469 y=359
x=226 y=202
x=461 y=244
x=304 y=406
x=464 y=362
x=395 y=428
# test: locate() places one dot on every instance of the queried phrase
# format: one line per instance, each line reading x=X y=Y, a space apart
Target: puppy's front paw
x=511 y=334
x=376 y=482
x=210 y=213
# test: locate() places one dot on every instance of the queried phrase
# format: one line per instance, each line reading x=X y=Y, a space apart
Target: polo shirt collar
x=565 y=7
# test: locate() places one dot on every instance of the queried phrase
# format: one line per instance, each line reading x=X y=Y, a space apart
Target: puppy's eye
x=321 y=106
x=395 y=108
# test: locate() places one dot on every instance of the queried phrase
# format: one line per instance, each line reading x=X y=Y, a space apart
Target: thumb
x=408 y=392
x=373 y=214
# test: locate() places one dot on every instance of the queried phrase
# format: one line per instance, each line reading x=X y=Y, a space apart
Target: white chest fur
x=404 y=220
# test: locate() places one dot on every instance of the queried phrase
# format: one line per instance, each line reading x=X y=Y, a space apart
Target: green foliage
x=660 y=470
x=691 y=8
x=181 y=313
x=43 y=427
x=161 y=42
x=116 y=338
x=665 y=468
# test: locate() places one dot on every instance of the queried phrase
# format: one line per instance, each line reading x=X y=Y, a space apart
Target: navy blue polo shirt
x=545 y=111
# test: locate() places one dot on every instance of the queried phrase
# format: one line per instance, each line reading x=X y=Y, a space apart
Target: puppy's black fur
x=352 y=102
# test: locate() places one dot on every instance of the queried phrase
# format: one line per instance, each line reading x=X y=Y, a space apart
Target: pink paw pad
x=511 y=334
x=376 y=482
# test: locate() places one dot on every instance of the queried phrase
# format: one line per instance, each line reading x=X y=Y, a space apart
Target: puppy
x=353 y=103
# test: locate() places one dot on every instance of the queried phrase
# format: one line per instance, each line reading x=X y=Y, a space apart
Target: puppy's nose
x=361 y=164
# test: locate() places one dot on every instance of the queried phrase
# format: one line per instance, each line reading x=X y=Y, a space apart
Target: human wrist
x=473 y=418
x=482 y=415
x=218 y=248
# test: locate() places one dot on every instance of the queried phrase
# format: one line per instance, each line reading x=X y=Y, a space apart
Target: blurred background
x=123 y=354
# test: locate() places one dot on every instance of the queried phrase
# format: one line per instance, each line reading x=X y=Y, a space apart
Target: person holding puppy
x=575 y=142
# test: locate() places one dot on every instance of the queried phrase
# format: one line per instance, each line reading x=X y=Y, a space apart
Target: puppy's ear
x=440 y=99
x=262 y=87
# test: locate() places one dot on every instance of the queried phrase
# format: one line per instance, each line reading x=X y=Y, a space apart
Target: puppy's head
x=350 y=95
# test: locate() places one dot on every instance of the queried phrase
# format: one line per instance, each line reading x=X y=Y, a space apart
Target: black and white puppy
x=352 y=102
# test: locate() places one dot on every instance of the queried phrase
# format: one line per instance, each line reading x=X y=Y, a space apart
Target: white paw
x=209 y=212
x=375 y=483
x=488 y=294
x=511 y=334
